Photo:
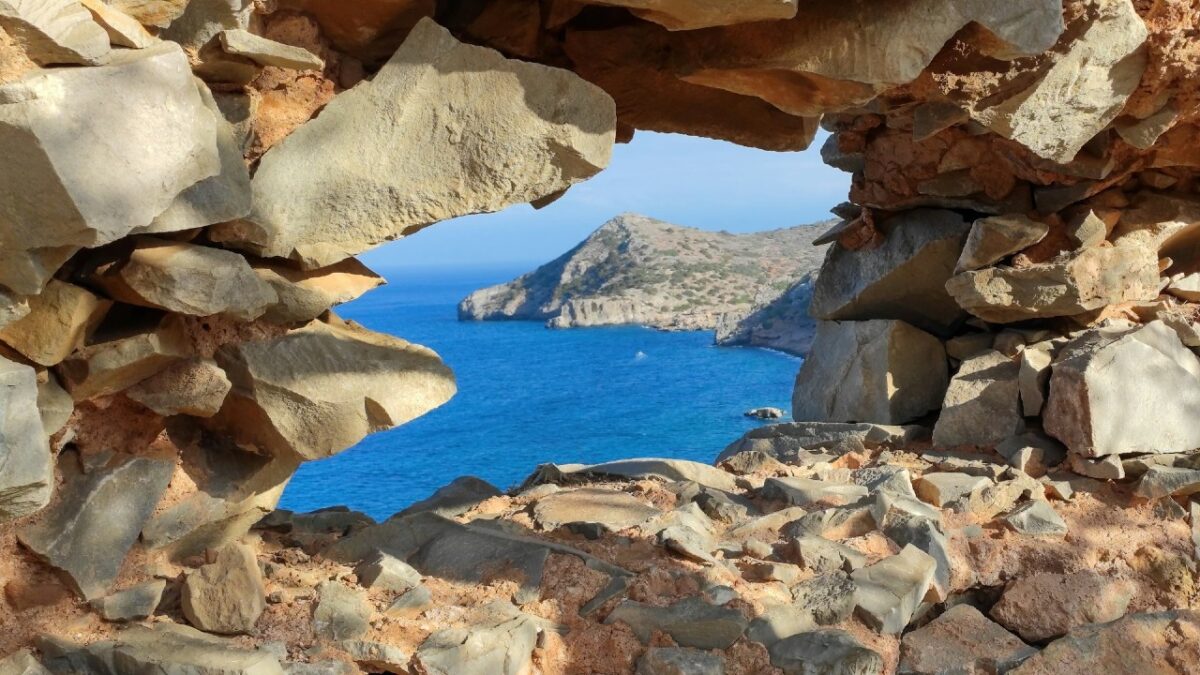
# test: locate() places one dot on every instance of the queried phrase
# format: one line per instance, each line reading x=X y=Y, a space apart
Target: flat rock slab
x=54 y=32
x=227 y=595
x=1036 y=518
x=828 y=650
x=59 y=320
x=807 y=491
x=1047 y=605
x=672 y=470
x=179 y=650
x=1161 y=481
x=499 y=640
x=691 y=622
x=137 y=602
x=781 y=441
x=609 y=509
x=1137 y=643
x=961 y=640
x=387 y=572
x=992 y=239
x=28 y=469
x=890 y=591
x=942 y=489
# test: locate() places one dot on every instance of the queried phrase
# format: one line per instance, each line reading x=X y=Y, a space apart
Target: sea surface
x=529 y=395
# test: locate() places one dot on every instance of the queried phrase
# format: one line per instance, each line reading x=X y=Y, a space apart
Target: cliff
x=638 y=270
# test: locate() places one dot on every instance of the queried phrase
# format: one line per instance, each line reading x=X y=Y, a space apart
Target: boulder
x=1070 y=284
x=28 y=469
x=1032 y=453
x=59 y=320
x=381 y=183
x=821 y=601
x=194 y=386
x=1038 y=519
x=227 y=595
x=679 y=661
x=829 y=650
x=942 y=489
x=1047 y=605
x=983 y=403
x=904 y=278
x=1125 y=391
x=764 y=413
x=693 y=14
x=690 y=622
x=303 y=295
x=322 y=388
x=341 y=613
x=387 y=572
x=609 y=510
x=54 y=32
x=123 y=30
x=870 y=371
x=822 y=555
x=1136 y=643
x=890 y=590
x=81 y=537
x=925 y=533
x=499 y=640
x=136 y=602
x=171 y=649
x=111 y=366
x=961 y=640
x=1163 y=481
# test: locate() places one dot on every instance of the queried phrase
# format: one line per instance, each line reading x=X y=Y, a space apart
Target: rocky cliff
x=638 y=270
x=994 y=459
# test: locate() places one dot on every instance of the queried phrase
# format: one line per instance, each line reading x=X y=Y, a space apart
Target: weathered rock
x=82 y=535
x=155 y=13
x=411 y=603
x=531 y=146
x=783 y=441
x=609 y=509
x=837 y=522
x=303 y=295
x=499 y=641
x=12 y=308
x=179 y=650
x=27 y=477
x=387 y=572
x=982 y=406
x=822 y=555
x=123 y=30
x=820 y=601
x=137 y=602
x=342 y=613
x=1033 y=453
x=828 y=650
x=322 y=388
x=638 y=469
x=904 y=278
x=54 y=404
x=679 y=661
x=1036 y=518
x=58 y=322
x=942 y=489
x=961 y=640
x=1161 y=481
x=924 y=532
x=1124 y=392
x=204 y=20
x=1137 y=643
x=1071 y=284
x=806 y=491
x=686 y=531
x=194 y=387
x=54 y=31
x=693 y=14
x=1046 y=605
x=227 y=595
x=24 y=663
x=764 y=413
x=457 y=497
x=111 y=366
x=268 y=52
x=1034 y=377
x=890 y=590
x=691 y=622
x=992 y=239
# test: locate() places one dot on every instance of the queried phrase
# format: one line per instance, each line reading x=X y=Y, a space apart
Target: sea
x=528 y=395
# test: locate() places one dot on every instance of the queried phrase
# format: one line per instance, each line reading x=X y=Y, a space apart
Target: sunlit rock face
x=1013 y=276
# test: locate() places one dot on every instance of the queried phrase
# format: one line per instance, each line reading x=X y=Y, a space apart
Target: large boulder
x=26 y=466
x=322 y=388
x=1125 y=391
x=904 y=278
x=870 y=371
x=54 y=31
x=444 y=130
x=983 y=403
x=1047 y=605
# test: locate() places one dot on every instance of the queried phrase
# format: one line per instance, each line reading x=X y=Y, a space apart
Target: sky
x=684 y=180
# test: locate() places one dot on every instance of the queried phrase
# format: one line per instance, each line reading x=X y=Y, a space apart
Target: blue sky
x=681 y=179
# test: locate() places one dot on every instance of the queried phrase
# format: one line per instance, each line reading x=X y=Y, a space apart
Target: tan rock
x=54 y=404
x=194 y=387
x=1034 y=376
x=203 y=20
x=123 y=30
x=306 y=294
x=527 y=144
x=982 y=406
x=28 y=272
x=692 y=14
x=942 y=489
x=322 y=388
x=1136 y=643
x=54 y=31
x=155 y=13
x=961 y=640
x=890 y=590
x=268 y=52
x=991 y=239
x=114 y=365
x=12 y=308
x=227 y=595
x=1046 y=605
x=58 y=322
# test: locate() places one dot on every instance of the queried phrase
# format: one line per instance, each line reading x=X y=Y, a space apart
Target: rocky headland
x=639 y=270
x=994 y=464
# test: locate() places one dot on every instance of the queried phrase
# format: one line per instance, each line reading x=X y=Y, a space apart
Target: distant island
x=751 y=289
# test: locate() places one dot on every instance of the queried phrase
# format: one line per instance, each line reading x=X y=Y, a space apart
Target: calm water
x=528 y=395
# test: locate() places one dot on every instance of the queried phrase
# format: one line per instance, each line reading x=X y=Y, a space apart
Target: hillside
x=638 y=270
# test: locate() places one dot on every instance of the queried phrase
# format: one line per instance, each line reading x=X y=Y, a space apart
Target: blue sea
x=529 y=395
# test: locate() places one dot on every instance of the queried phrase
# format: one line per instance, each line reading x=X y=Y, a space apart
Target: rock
x=268 y=52
x=1106 y=468
x=123 y=30
x=24 y=663
x=227 y=595
x=870 y=371
x=371 y=30
x=179 y=650
x=693 y=14
x=54 y=32
x=459 y=496
x=79 y=534
x=1044 y=605
x=1087 y=230
x=59 y=320
x=961 y=640
x=671 y=470
x=411 y=603
x=1071 y=284
x=89 y=161
x=1162 y=481
x=295 y=196
x=822 y=555
x=154 y=13
x=994 y=238
x=204 y=20
x=499 y=641
x=1033 y=453
x=942 y=489
x=807 y=492
x=838 y=522
x=1137 y=643
x=1125 y=392
x=686 y=531
x=387 y=572
x=904 y=278
x=784 y=441
x=820 y=601
x=12 y=308
x=28 y=476
x=1033 y=379
x=342 y=613
x=322 y=388
x=925 y=534
x=1037 y=519
x=375 y=656
x=305 y=295
x=54 y=404
x=1186 y=288
x=679 y=661
x=111 y=366
x=137 y=602
x=828 y=650
x=982 y=405
x=193 y=386
x=691 y=622
x=890 y=590
x=611 y=510
x=764 y=413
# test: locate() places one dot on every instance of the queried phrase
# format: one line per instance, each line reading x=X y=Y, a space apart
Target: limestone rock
x=1046 y=605
x=123 y=30
x=303 y=295
x=640 y=469
x=1125 y=392
x=691 y=622
x=137 y=602
x=944 y=488
x=28 y=470
x=12 y=308
x=203 y=20
x=102 y=171
x=903 y=279
x=925 y=533
x=1087 y=230
x=387 y=572
x=821 y=601
x=992 y=239
x=961 y=640
x=828 y=650
x=268 y=52
x=180 y=650
x=459 y=496
x=28 y=272
x=1136 y=643
x=1071 y=284
x=1034 y=377
x=890 y=590
x=532 y=145
x=154 y=13
x=1033 y=453
x=1036 y=518
x=870 y=371
x=611 y=510
x=342 y=613
x=227 y=595
x=782 y=441
x=54 y=404
x=193 y=386
x=110 y=366
x=982 y=405
x=1161 y=481
x=822 y=555
x=80 y=534
x=693 y=14
x=679 y=661
x=807 y=492
x=59 y=320
x=322 y=388
x=499 y=641
x=54 y=31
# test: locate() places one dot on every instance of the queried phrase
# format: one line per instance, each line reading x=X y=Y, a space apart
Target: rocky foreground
x=638 y=270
